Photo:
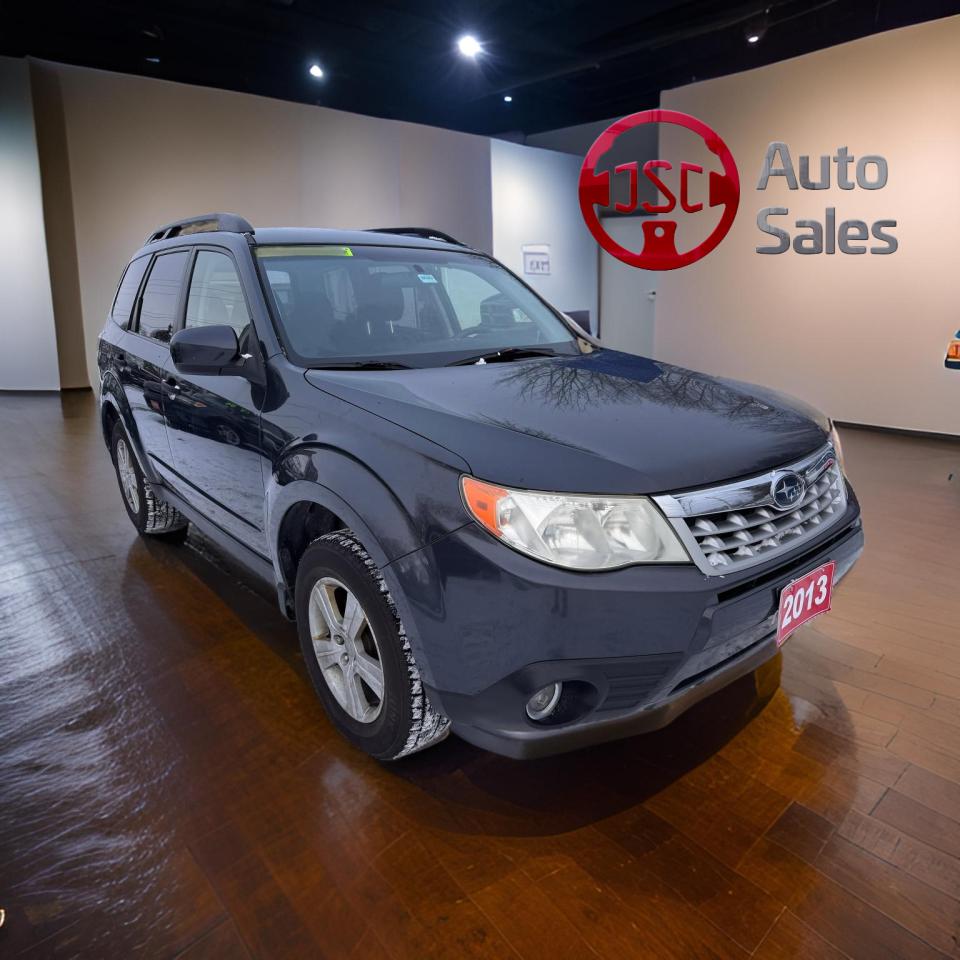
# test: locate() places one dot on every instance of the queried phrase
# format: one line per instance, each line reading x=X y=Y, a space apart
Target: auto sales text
x=812 y=236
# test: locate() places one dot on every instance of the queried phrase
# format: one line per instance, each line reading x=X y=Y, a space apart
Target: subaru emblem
x=787 y=490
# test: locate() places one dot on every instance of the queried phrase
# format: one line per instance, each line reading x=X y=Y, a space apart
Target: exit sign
x=536 y=259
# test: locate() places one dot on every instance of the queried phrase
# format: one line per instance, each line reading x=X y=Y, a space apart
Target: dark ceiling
x=563 y=61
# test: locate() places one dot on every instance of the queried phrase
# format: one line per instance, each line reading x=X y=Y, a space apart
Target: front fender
x=280 y=499
x=420 y=503
x=385 y=528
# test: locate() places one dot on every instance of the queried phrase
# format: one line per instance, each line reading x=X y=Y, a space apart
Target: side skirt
x=240 y=552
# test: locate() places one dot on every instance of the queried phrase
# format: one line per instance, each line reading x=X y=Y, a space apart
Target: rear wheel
x=150 y=515
x=357 y=652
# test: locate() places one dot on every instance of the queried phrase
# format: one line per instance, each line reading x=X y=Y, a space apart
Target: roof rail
x=206 y=223
x=425 y=233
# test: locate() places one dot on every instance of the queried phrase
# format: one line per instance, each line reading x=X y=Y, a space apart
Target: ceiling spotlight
x=469 y=46
x=152 y=59
x=316 y=72
x=755 y=28
x=508 y=99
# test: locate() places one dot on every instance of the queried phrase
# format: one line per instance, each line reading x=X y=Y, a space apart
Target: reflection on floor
x=169 y=785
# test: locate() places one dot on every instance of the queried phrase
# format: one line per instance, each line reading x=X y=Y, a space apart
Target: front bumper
x=635 y=648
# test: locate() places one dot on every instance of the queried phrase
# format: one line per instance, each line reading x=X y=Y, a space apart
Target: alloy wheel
x=128 y=476
x=346 y=649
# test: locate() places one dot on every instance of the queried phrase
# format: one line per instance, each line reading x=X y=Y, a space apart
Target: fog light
x=544 y=701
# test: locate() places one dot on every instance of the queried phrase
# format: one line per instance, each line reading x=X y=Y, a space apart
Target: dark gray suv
x=481 y=519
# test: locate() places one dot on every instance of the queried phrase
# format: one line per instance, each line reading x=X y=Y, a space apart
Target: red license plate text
x=805 y=599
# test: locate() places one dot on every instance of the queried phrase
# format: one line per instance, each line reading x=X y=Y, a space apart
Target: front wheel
x=149 y=514
x=357 y=652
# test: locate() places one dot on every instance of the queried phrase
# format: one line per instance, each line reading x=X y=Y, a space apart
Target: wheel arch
x=300 y=511
x=109 y=417
x=322 y=478
x=114 y=408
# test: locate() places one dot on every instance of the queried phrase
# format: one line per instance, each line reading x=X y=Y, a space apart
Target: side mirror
x=212 y=351
x=582 y=332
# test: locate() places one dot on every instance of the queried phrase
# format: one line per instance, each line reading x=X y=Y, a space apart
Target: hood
x=605 y=422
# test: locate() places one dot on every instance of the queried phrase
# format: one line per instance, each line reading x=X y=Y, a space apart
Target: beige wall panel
x=861 y=336
x=143 y=152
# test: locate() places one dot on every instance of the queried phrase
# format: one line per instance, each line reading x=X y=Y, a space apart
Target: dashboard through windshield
x=347 y=305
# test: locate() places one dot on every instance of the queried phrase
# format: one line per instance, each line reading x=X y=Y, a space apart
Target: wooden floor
x=169 y=786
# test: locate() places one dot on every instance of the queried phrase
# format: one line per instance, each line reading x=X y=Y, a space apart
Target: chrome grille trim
x=734 y=526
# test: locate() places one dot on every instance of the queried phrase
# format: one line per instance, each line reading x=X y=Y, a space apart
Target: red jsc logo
x=659 y=250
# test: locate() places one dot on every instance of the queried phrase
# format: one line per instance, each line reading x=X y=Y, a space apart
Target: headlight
x=837 y=446
x=573 y=530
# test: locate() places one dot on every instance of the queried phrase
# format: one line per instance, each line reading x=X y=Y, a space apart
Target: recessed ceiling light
x=316 y=72
x=753 y=38
x=508 y=99
x=152 y=59
x=469 y=46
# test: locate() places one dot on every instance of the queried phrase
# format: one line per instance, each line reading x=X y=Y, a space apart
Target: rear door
x=213 y=423
x=147 y=349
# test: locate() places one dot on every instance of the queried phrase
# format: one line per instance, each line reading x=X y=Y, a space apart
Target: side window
x=127 y=291
x=216 y=296
x=158 y=305
x=479 y=303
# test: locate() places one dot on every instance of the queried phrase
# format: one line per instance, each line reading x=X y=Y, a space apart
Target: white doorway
x=627 y=294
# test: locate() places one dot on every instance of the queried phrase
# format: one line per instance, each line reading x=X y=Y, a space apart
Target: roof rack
x=206 y=223
x=425 y=233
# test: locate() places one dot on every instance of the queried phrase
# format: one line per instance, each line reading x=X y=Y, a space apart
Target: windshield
x=412 y=307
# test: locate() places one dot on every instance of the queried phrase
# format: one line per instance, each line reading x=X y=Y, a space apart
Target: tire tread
x=160 y=518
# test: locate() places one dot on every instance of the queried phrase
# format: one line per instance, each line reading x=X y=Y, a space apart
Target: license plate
x=805 y=599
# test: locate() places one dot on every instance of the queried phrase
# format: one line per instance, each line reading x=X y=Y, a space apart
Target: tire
x=342 y=662
x=151 y=516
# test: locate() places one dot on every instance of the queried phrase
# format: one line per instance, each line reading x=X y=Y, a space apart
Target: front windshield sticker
x=427 y=278
x=306 y=250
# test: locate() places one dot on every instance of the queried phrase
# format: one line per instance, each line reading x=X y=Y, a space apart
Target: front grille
x=727 y=539
x=737 y=525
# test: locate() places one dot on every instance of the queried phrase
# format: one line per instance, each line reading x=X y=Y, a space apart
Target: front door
x=213 y=423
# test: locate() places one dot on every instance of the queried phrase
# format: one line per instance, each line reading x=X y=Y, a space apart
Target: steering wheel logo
x=659 y=235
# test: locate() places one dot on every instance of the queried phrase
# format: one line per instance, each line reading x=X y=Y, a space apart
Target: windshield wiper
x=364 y=365
x=507 y=353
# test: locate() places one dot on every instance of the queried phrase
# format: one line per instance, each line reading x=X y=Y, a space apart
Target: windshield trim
x=318 y=363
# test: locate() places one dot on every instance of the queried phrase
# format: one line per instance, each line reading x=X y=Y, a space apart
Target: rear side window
x=127 y=291
x=161 y=295
x=216 y=295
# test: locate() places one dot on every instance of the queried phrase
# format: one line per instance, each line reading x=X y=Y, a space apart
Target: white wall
x=626 y=311
x=143 y=152
x=863 y=337
x=534 y=197
x=579 y=139
x=28 y=358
